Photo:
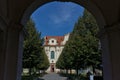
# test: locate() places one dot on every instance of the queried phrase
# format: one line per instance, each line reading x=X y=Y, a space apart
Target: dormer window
x=52 y=41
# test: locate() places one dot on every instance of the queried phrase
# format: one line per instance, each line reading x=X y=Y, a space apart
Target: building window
x=52 y=41
x=52 y=55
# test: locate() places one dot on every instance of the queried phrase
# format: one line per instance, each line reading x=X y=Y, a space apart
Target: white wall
x=52 y=46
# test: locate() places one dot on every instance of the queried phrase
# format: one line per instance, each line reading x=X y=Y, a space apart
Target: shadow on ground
x=39 y=79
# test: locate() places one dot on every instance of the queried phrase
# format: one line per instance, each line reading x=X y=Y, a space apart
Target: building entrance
x=52 y=67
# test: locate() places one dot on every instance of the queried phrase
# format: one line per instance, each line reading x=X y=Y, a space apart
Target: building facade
x=53 y=46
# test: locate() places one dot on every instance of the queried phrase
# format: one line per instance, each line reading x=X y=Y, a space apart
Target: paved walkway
x=53 y=76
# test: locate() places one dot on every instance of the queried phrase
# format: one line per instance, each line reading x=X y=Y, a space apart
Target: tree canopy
x=82 y=49
x=33 y=52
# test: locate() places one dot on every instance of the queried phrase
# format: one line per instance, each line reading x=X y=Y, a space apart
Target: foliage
x=33 y=55
x=27 y=78
x=44 y=62
x=32 y=46
x=82 y=49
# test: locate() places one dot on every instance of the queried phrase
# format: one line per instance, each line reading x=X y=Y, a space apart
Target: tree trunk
x=70 y=71
x=30 y=75
x=93 y=69
x=60 y=71
x=77 y=71
x=66 y=71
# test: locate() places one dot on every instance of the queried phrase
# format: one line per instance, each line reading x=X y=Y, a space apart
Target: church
x=53 y=46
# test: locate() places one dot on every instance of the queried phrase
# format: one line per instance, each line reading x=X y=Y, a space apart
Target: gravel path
x=53 y=76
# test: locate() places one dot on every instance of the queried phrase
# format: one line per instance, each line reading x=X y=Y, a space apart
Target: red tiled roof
x=58 y=38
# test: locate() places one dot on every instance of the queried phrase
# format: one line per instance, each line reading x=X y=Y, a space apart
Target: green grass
x=32 y=77
x=27 y=77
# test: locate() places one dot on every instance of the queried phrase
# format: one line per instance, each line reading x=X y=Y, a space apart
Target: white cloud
x=63 y=14
x=59 y=18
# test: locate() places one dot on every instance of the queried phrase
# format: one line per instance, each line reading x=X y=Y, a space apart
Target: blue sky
x=56 y=18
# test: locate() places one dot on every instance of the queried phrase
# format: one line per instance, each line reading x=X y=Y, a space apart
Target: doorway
x=52 y=67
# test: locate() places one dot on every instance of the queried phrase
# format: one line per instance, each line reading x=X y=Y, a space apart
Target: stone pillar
x=2 y=48
x=13 y=58
x=110 y=42
x=1 y=54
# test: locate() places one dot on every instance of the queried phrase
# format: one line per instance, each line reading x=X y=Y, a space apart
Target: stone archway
x=89 y=5
x=105 y=33
x=17 y=12
x=2 y=46
x=93 y=8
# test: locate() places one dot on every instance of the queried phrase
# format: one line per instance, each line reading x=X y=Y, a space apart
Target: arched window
x=52 y=55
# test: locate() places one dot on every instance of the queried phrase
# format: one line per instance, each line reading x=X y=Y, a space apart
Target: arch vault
x=15 y=13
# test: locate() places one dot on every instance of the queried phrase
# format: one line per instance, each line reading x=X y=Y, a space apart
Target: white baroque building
x=53 y=46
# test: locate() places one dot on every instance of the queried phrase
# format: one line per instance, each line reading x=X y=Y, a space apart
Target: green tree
x=65 y=61
x=32 y=47
x=92 y=42
x=44 y=62
x=83 y=45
